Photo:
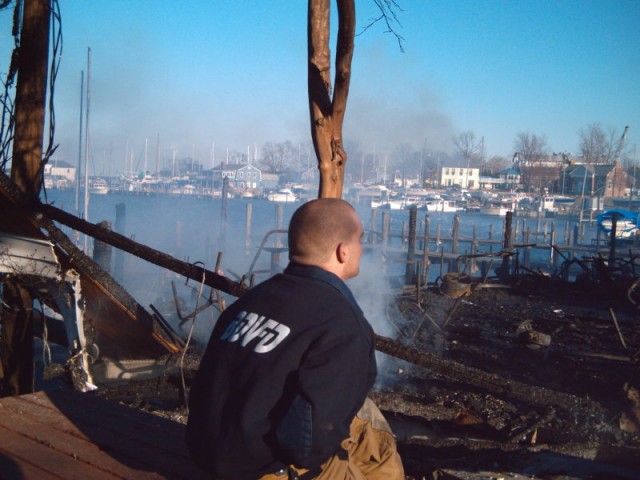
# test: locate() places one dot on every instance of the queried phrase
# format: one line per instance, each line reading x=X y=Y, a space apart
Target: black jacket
x=286 y=369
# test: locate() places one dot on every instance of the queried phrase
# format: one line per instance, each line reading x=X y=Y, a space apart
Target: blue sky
x=232 y=75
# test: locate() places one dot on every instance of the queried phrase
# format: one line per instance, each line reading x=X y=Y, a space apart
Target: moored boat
x=98 y=186
x=627 y=223
x=285 y=195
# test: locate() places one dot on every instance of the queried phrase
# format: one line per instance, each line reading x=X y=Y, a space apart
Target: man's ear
x=341 y=253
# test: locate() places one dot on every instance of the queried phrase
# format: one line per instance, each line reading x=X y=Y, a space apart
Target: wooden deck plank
x=129 y=420
x=48 y=459
x=12 y=468
x=64 y=443
x=44 y=434
x=112 y=430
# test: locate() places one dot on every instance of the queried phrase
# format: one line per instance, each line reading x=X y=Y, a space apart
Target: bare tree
x=277 y=157
x=595 y=145
x=470 y=149
x=598 y=145
x=530 y=156
x=494 y=165
x=530 y=148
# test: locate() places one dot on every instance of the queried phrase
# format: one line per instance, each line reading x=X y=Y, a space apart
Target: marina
x=198 y=228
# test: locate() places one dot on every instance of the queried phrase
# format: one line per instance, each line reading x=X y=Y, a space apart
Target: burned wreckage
x=82 y=307
x=529 y=375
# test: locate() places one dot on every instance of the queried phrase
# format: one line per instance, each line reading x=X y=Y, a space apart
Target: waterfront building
x=461 y=176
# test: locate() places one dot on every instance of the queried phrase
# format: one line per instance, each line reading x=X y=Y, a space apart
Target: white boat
x=627 y=223
x=27 y=255
x=494 y=209
x=397 y=203
x=442 y=205
x=283 y=195
x=98 y=186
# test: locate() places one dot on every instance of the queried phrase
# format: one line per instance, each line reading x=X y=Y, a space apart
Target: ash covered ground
x=536 y=381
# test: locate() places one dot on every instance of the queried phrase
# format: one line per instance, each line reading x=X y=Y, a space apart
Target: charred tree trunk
x=31 y=92
x=26 y=172
x=327 y=114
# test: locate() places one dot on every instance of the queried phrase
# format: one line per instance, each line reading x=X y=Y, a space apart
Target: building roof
x=60 y=164
x=599 y=170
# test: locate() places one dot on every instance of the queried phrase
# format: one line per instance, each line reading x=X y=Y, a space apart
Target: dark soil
x=448 y=429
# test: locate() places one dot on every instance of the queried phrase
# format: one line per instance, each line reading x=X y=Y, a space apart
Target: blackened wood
x=457 y=372
x=149 y=254
x=16 y=346
x=110 y=304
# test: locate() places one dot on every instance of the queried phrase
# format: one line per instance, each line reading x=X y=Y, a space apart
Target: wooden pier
x=419 y=245
x=72 y=435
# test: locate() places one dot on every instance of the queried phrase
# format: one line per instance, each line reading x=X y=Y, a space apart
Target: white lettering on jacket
x=248 y=326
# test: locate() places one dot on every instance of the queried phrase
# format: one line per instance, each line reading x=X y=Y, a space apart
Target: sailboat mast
x=86 y=149
x=146 y=142
x=79 y=169
x=158 y=158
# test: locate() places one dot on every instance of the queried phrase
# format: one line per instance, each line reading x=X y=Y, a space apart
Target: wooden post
x=491 y=236
x=552 y=242
x=474 y=250
x=612 y=243
x=425 y=259
x=386 y=222
x=247 y=229
x=411 y=247
x=374 y=225
x=527 y=250
x=223 y=205
x=275 y=255
x=507 y=246
x=102 y=252
x=456 y=233
x=118 y=262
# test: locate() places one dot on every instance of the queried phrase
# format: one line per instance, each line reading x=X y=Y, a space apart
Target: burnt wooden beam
x=493 y=383
x=22 y=216
x=189 y=270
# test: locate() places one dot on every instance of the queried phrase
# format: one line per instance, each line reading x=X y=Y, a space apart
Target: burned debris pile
x=533 y=377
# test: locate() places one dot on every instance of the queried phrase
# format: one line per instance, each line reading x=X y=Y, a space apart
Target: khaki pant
x=371 y=451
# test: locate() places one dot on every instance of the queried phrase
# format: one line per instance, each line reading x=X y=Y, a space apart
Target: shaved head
x=318 y=227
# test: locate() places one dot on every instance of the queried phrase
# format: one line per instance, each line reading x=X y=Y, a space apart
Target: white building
x=461 y=176
x=59 y=168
